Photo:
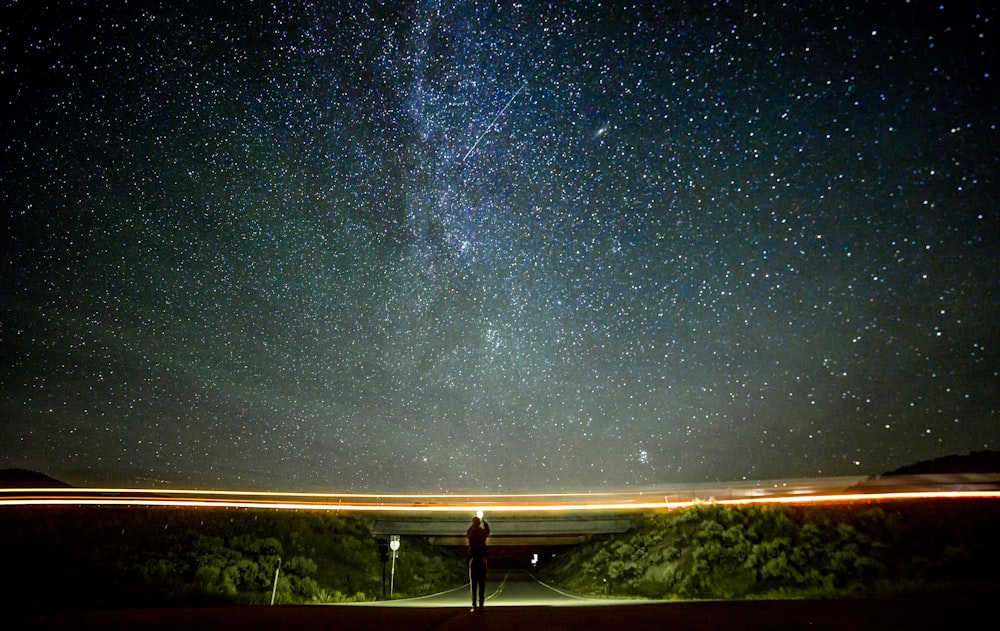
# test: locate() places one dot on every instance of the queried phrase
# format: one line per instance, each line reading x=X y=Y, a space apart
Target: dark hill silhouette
x=975 y=470
x=23 y=478
x=973 y=462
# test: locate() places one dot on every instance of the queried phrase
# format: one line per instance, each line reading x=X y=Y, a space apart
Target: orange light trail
x=439 y=503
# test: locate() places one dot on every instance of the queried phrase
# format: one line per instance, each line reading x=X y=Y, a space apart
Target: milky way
x=479 y=246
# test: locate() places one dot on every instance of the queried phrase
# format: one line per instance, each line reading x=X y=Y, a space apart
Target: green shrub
x=711 y=551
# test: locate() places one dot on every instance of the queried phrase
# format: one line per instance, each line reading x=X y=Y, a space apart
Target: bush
x=712 y=551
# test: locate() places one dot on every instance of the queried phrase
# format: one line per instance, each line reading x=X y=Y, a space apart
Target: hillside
x=23 y=478
x=973 y=462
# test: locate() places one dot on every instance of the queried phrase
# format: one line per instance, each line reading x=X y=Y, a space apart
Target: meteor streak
x=493 y=122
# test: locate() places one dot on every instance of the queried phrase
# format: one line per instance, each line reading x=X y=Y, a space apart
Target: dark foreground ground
x=925 y=613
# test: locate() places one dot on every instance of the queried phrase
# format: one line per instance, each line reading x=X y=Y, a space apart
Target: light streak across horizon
x=123 y=497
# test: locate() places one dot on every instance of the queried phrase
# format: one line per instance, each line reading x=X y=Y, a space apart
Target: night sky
x=496 y=247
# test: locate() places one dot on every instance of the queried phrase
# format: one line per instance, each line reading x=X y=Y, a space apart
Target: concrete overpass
x=514 y=539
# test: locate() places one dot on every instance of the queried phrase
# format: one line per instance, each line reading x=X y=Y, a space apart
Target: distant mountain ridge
x=972 y=462
x=985 y=461
x=23 y=478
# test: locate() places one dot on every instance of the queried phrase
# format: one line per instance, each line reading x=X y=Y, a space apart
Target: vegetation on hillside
x=713 y=551
x=81 y=558
x=65 y=558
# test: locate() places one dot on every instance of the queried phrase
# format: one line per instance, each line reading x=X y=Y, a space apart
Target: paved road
x=518 y=601
x=503 y=589
x=931 y=613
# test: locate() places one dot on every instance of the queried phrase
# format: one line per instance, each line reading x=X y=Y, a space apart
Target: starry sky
x=496 y=246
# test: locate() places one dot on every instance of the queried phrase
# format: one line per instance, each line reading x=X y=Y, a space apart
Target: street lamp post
x=394 y=546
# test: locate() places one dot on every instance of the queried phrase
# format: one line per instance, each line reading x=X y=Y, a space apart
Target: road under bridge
x=515 y=539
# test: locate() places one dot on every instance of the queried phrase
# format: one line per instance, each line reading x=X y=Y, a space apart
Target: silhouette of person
x=477 y=534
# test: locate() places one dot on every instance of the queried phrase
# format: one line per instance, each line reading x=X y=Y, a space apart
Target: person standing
x=477 y=534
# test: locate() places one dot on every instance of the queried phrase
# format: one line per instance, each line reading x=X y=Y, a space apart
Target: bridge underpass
x=514 y=539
